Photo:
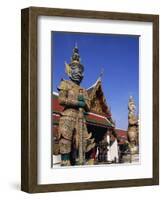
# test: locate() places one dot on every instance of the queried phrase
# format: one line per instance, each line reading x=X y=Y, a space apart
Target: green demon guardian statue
x=74 y=139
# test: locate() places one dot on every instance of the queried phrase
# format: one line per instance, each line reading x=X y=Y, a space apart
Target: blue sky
x=118 y=55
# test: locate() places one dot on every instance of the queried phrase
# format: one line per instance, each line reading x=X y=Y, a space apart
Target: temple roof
x=91 y=117
x=121 y=136
x=98 y=101
x=99 y=112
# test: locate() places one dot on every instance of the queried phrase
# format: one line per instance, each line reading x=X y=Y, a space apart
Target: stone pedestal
x=130 y=158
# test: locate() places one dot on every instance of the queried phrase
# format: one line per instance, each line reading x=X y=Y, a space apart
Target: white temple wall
x=114 y=151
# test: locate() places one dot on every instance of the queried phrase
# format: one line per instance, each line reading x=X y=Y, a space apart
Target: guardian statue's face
x=77 y=71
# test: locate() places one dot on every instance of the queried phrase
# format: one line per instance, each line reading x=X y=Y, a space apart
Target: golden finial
x=101 y=73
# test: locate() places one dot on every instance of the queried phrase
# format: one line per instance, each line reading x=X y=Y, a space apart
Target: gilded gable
x=98 y=102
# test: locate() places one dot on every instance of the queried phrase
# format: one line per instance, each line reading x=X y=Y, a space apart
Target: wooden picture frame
x=29 y=97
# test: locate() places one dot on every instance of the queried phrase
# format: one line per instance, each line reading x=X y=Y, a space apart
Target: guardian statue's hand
x=81 y=101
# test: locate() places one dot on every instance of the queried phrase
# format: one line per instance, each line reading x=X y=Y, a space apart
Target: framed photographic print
x=90 y=100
